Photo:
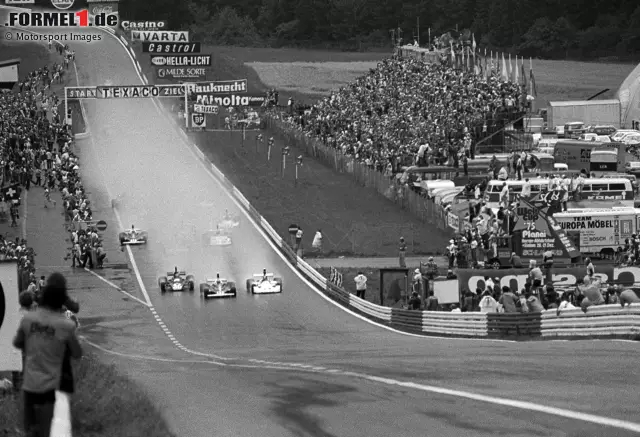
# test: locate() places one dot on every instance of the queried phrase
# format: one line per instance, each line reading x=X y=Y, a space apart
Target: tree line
x=558 y=29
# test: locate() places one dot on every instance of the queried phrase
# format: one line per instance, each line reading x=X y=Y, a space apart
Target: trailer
x=590 y=112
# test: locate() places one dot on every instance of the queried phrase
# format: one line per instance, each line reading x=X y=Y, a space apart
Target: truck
x=577 y=154
x=599 y=232
x=590 y=112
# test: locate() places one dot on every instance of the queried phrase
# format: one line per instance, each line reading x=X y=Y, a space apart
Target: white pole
x=186 y=105
x=66 y=106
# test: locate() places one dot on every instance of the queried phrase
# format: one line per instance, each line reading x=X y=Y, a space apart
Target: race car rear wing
x=180 y=273
x=260 y=275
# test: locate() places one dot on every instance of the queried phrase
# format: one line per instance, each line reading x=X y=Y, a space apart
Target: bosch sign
x=143 y=25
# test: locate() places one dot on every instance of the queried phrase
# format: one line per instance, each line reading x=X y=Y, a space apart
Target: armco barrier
x=501 y=325
x=605 y=321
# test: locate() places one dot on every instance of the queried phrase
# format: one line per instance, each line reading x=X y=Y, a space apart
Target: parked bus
x=599 y=232
x=596 y=192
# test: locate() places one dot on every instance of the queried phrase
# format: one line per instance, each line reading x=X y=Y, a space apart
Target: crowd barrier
x=422 y=207
x=596 y=322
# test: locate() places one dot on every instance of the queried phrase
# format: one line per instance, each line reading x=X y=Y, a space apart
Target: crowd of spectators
x=409 y=111
x=36 y=150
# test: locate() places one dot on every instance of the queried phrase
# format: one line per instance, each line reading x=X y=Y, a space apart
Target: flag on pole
x=509 y=70
x=505 y=73
x=473 y=44
x=533 y=90
x=516 y=72
x=453 y=54
x=524 y=76
x=467 y=60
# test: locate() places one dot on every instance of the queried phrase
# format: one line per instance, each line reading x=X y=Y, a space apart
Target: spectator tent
x=629 y=96
x=9 y=73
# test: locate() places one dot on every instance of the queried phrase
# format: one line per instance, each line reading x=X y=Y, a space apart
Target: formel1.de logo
x=62 y=4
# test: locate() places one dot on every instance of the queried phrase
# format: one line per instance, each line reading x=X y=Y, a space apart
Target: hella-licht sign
x=19 y=2
x=181 y=60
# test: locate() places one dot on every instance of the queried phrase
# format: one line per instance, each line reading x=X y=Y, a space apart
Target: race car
x=217 y=288
x=252 y=121
x=177 y=281
x=229 y=221
x=133 y=237
x=264 y=283
x=216 y=237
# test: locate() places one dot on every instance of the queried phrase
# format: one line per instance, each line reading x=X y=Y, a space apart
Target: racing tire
x=163 y=289
x=202 y=289
x=192 y=287
x=278 y=280
x=249 y=290
x=234 y=292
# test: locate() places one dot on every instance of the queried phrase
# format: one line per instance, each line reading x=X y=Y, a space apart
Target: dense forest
x=579 y=29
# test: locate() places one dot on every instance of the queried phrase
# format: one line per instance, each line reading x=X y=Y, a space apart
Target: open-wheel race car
x=133 y=237
x=229 y=221
x=177 y=281
x=251 y=121
x=216 y=237
x=265 y=283
x=217 y=287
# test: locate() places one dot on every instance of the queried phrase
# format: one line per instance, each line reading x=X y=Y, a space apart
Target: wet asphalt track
x=161 y=188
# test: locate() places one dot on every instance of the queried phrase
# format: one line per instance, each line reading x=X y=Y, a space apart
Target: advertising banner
x=206 y=109
x=10 y=358
x=230 y=100
x=97 y=8
x=471 y=279
x=181 y=60
x=198 y=121
x=217 y=87
x=181 y=73
x=160 y=36
x=171 y=47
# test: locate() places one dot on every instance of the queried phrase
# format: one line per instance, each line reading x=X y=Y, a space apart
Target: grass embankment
x=105 y=404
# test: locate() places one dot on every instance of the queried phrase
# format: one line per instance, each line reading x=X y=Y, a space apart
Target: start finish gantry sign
x=123 y=91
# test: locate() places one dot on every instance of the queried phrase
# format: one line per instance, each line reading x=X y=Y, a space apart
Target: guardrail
x=598 y=321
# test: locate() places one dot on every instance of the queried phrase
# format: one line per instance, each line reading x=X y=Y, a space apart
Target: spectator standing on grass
x=402 y=253
x=45 y=336
x=298 y=247
x=317 y=241
x=361 y=285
